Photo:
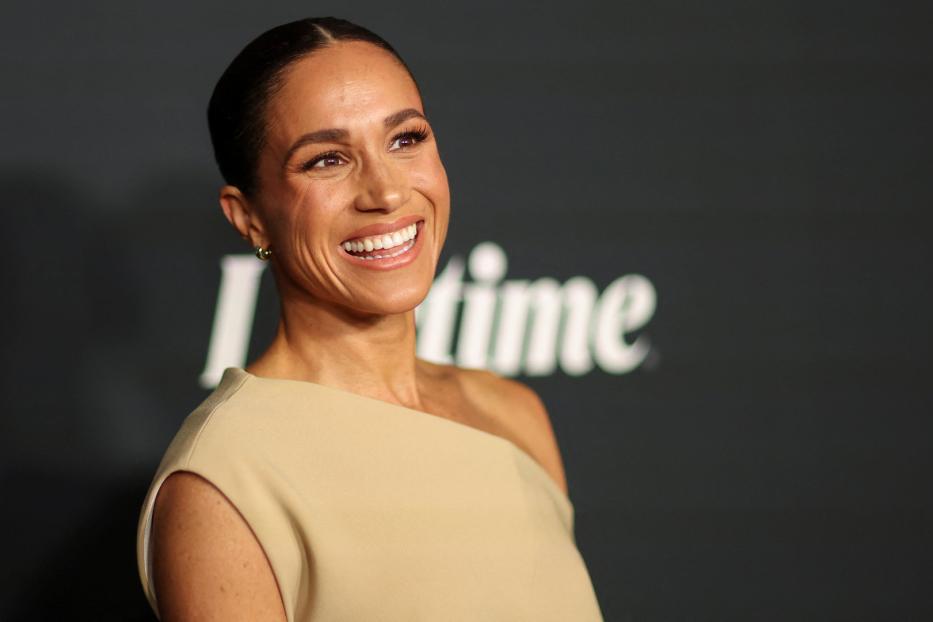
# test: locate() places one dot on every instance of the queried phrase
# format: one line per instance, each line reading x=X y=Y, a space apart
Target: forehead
x=345 y=85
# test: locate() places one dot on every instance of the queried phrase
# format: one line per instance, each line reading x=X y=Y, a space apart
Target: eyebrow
x=400 y=117
x=332 y=135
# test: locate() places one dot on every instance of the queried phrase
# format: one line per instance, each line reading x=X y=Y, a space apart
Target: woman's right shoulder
x=206 y=561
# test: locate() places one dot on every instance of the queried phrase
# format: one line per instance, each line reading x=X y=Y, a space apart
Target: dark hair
x=236 y=112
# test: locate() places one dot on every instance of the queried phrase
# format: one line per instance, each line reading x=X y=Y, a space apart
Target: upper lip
x=382 y=228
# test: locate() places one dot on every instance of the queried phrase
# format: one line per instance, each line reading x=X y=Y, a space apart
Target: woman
x=338 y=477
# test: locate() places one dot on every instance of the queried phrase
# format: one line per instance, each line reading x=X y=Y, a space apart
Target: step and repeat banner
x=695 y=230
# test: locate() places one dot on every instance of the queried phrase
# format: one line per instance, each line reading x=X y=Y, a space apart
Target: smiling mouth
x=384 y=246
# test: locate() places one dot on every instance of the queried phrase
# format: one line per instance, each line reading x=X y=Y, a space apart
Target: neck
x=372 y=355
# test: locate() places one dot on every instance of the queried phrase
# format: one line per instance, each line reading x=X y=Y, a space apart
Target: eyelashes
x=419 y=134
x=329 y=155
x=415 y=137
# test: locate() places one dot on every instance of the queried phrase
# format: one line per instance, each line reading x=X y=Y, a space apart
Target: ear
x=243 y=216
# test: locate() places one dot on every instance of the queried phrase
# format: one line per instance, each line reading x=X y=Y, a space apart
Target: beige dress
x=370 y=511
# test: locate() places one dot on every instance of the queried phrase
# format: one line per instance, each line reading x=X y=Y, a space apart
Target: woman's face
x=350 y=162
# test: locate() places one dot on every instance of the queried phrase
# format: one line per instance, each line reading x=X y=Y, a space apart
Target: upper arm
x=207 y=563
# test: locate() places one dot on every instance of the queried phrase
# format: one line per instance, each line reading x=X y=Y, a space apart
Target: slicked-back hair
x=237 y=108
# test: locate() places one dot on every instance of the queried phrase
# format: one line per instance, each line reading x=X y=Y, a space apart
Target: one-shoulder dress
x=371 y=511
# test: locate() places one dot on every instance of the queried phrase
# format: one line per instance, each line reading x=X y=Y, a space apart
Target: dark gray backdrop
x=765 y=165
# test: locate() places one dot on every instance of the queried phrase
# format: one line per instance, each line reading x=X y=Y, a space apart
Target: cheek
x=304 y=221
x=430 y=178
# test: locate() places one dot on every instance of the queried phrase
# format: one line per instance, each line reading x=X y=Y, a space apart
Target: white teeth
x=381 y=242
x=403 y=249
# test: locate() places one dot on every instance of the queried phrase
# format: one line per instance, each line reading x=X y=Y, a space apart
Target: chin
x=396 y=300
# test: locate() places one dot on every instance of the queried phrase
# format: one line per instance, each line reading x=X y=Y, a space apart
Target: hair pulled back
x=236 y=111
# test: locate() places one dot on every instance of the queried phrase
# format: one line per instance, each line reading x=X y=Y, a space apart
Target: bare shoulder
x=522 y=412
x=207 y=563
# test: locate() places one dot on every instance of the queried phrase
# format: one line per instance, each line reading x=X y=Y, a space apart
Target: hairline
x=278 y=79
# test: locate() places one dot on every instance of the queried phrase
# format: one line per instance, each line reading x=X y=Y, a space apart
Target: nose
x=382 y=186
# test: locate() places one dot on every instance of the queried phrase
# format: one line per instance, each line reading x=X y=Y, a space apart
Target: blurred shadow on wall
x=91 y=573
x=45 y=314
x=65 y=553
x=104 y=324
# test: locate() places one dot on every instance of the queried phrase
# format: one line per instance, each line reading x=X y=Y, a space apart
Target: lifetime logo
x=512 y=327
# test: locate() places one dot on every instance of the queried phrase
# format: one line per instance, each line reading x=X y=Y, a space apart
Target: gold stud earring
x=263 y=253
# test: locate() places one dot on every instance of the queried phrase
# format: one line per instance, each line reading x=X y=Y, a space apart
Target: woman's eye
x=408 y=139
x=402 y=141
x=326 y=160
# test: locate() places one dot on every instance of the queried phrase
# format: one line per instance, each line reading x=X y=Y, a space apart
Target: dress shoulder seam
x=210 y=417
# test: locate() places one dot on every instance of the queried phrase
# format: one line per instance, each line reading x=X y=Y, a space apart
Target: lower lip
x=390 y=263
